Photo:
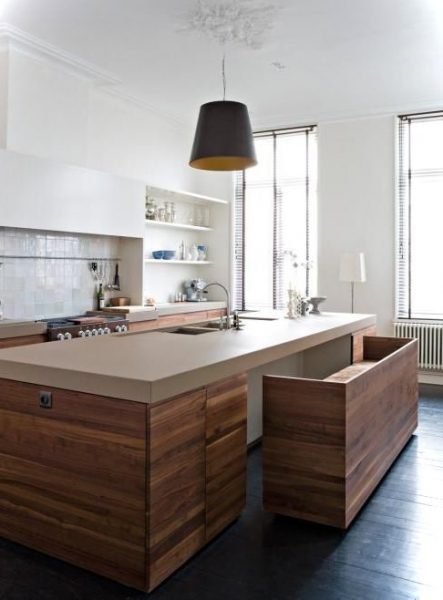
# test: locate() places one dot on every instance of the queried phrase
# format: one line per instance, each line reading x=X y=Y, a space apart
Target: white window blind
x=419 y=290
x=275 y=218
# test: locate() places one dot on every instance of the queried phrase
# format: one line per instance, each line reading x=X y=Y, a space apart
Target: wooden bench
x=328 y=443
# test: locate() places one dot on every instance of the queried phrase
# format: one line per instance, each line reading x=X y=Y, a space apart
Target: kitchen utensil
x=120 y=301
x=116 y=278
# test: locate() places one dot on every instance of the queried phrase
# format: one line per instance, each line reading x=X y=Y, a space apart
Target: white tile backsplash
x=47 y=287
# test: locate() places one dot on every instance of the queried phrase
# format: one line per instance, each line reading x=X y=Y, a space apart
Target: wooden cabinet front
x=176 y=487
x=225 y=453
x=72 y=478
x=177 y=320
x=22 y=340
x=124 y=489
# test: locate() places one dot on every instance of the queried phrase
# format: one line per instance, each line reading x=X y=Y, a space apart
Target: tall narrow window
x=420 y=217
x=275 y=220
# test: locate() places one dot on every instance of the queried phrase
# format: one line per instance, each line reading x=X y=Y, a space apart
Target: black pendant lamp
x=223 y=138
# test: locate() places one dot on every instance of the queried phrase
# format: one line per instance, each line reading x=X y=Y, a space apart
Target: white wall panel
x=39 y=194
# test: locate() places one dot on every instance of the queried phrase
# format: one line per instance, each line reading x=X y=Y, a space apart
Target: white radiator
x=430 y=342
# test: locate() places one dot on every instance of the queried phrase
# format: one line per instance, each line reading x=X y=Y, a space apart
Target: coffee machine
x=194 y=290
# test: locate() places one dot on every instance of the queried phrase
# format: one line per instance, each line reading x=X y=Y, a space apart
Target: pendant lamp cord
x=224 y=76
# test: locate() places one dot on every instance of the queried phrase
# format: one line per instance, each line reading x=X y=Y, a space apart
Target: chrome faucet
x=228 y=300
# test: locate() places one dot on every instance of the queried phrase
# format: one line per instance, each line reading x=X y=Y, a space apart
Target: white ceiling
x=342 y=57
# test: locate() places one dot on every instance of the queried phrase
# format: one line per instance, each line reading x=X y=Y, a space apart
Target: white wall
x=4 y=70
x=57 y=114
x=357 y=212
x=54 y=112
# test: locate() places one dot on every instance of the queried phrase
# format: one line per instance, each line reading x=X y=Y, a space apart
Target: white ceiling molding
x=22 y=41
x=123 y=95
x=282 y=120
x=242 y=22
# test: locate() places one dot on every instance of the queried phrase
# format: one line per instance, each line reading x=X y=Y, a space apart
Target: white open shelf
x=179 y=196
x=161 y=261
x=177 y=225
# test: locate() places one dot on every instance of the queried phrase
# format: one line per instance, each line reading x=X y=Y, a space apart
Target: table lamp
x=353 y=270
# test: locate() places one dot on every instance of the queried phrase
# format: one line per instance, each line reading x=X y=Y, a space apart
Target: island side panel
x=72 y=478
x=304 y=449
x=226 y=452
x=381 y=416
x=176 y=485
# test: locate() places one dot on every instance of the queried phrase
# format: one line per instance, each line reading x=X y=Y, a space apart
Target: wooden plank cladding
x=121 y=488
x=22 y=340
x=72 y=478
x=327 y=444
x=357 y=343
x=225 y=453
x=176 y=483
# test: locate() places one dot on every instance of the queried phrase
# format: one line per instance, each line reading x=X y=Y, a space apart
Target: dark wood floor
x=393 y=551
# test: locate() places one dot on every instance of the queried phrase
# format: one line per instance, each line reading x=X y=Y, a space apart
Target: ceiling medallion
x=223 y=138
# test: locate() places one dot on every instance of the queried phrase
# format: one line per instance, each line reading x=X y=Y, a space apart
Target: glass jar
x=167 y=212
x=151 y=208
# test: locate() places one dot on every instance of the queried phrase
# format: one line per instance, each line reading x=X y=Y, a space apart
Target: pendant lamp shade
x=223 y=138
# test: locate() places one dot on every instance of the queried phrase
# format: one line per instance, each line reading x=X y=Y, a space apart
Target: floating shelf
x=177 y=225
x=177 y=196
x=161 y=261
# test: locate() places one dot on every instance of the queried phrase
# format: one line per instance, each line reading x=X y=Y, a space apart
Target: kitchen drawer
x=23 y=340
x=177 y=319
x=226 y=406
x=225 y=480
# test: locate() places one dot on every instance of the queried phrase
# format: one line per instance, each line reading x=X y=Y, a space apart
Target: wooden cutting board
x=88 y=320
x=127 y=309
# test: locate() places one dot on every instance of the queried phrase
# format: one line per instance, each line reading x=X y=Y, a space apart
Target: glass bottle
x=167 y=212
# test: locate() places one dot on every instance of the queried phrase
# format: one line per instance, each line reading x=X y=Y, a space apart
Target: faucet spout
x=228 y=300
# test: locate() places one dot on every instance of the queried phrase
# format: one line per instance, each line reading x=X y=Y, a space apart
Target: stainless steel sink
x=190 y=330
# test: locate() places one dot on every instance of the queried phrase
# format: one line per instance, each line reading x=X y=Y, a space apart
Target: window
x=420 y=217
x=275 y=220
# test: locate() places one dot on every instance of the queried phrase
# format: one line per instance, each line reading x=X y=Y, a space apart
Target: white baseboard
x=432 y=378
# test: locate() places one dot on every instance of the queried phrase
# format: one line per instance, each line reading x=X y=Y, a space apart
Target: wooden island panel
x=176 y=483
x=72 y=478
x=381 y=415
x=225 y=453
x=125 y=489
x=328 y=443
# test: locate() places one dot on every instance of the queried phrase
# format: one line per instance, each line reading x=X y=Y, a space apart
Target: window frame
x=403 y=224
x=238 y=221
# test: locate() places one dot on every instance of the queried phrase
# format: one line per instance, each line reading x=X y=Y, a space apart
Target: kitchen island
x=126 y=454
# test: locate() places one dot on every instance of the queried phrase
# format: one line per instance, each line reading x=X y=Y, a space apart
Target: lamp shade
x=223 y=138
x=352 y=267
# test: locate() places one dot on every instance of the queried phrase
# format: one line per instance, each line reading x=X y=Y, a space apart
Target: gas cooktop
x=66 y=328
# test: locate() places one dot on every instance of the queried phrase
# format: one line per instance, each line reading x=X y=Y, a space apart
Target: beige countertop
x=151 y=366
x=10 y=328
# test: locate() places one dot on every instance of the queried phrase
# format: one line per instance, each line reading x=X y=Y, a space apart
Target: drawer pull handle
x=45 y=399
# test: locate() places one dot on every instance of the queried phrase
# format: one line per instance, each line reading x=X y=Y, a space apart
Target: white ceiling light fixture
x=223 y=138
